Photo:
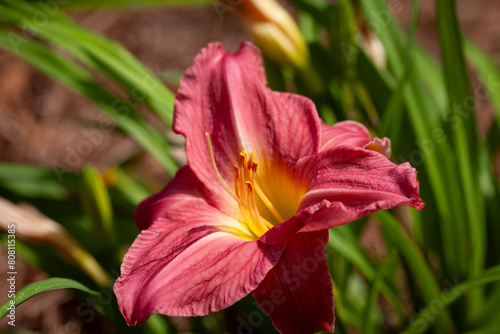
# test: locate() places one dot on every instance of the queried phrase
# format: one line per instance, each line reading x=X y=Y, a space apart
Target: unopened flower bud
x=274 y=31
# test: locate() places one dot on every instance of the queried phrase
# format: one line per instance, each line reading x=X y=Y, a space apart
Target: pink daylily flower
x=250 y=213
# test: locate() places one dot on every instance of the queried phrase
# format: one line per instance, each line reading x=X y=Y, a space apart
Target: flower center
x=245 y=190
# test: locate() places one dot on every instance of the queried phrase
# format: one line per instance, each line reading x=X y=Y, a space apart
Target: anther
x=249 y=185
x=250 y=161
x=254 y=166
x=243 y=158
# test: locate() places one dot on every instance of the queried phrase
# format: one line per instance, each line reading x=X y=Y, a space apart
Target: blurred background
x=41 y=118
x=44 y=123
x=165 y=40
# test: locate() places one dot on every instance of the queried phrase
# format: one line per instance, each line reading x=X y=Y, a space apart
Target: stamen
x=237 y=171
x=268 y=224
x=254 y=213
x=236 y=180
x=268 y=203
x=249 y=222
x=216 y=171
x=244 y=194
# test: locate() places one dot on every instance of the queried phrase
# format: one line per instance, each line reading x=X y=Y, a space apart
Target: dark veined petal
x=298 y=292
x=348 y=183
x=191 y=259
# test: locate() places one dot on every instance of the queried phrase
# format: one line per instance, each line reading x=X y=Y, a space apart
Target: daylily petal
x=183 y=186
x=351 y=133
x=226 y=95
x=298 y=292
x=348 y=183
x=348 y=133
x=190 y=260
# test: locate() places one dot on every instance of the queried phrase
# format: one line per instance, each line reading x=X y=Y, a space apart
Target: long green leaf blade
x=426 y=317
x=36 y=288
x=439 y=163
x=343 y=241
x=465 y=136
x=100 y=53
x=428 y=285
x=489 y=72
x=81 y=82
x=367 y=324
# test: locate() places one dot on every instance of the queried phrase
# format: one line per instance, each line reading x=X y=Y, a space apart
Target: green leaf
x=489 y=73
x=344 y=242
x=156 y=324
x=106 y=56
x=432 y=84
x=97 y=204
x=465 y=135
x=31 y=181
x=318 y=9
x=343 y=42
x=38 y=287
x=345 y=312
x=428 y=315
x=440 y=166
x=464 y=129
x=396 y=237
x=367 y=324
x=486 y=330
x=379 y=82
x=131 y=189
x=391 y=123
x=125 y=116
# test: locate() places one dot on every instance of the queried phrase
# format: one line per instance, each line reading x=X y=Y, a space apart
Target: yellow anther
x=250 y=161
x=254 y=166
x=249 y=186
x=243 y=158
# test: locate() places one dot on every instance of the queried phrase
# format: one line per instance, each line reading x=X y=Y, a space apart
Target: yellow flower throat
x=245 y=189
